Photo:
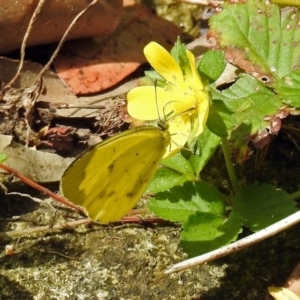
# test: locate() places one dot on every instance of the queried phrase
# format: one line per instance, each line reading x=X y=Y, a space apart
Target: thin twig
x=23 y=46
x=42 y=189
x=17 y=233
x=47 y=66
x=32 y=198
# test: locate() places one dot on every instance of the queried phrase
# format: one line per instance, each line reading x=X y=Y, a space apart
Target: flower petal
x=163 y=63
x=199 y=119
x=148 y=103
x=195 y=80
x=183 y=101
x=179 y=128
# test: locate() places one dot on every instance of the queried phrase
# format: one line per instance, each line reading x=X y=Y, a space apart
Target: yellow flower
x=183 y=101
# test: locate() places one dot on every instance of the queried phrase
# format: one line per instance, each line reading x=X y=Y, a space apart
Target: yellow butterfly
x=109 y=179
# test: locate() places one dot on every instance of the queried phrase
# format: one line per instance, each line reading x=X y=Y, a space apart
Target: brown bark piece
x=55 y=16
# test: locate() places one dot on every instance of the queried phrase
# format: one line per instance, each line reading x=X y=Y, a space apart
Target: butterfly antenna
x=155 y=91
x=161 y=123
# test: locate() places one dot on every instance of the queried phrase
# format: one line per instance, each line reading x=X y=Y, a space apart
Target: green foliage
x=289 y=89
x=259 y=37
x=186 y=165
x=178 y=203
x=216 y=123
x=179 y=53
x=212 y=65
x=262 y=40
x=204 y=232
x=260 y=206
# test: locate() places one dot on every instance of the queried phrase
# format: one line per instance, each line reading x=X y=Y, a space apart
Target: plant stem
x=229 y=164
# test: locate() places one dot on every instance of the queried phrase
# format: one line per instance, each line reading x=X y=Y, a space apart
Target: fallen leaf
x=55 y=92
x=37 y=165
x=55 y=16
x=91 y=66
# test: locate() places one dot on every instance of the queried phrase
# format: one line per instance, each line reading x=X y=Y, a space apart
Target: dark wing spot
x=110 y=194
x=102 y=194
x=111 y=167
x=129 y=194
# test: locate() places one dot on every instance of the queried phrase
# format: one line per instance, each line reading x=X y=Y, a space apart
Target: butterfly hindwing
x=109 y=179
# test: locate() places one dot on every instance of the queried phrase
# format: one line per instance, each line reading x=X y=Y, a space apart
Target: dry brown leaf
x=55 y=91
x=37 y=165
x=53 y=20
x=92 y=66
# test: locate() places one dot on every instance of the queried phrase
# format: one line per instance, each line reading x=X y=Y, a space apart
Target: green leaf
x=204 y=232
x=251 y=106
x=222 y=110
x=263 y=40
x=180 y=202
x=259 y=38
x=216 y=123
x=179 y=53
x=203 y=150
x=3 y=157
x=152 y=78
x=174 y=171
x=186 y=165
x=262 y=205
x=212 y=64
x=289 y=89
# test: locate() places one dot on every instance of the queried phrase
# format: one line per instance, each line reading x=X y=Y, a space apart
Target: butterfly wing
x=109 y=179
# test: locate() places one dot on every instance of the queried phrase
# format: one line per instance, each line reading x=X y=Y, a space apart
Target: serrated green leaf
x=223 y=110
x=186 y=165
x=153 y=78
x=244 y=87
x=203 y=150
x=259 y=37
x=262 y=205
x=204 y=232
x=179 y=163
x=289 y=89
x=173 y=171
x=212 y=64
x=251 y=106
x=179 y=53
x=180 y=202
x=216 y=123
x=166 y=178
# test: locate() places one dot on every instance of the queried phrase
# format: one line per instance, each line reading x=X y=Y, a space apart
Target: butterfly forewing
x=109 y=179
